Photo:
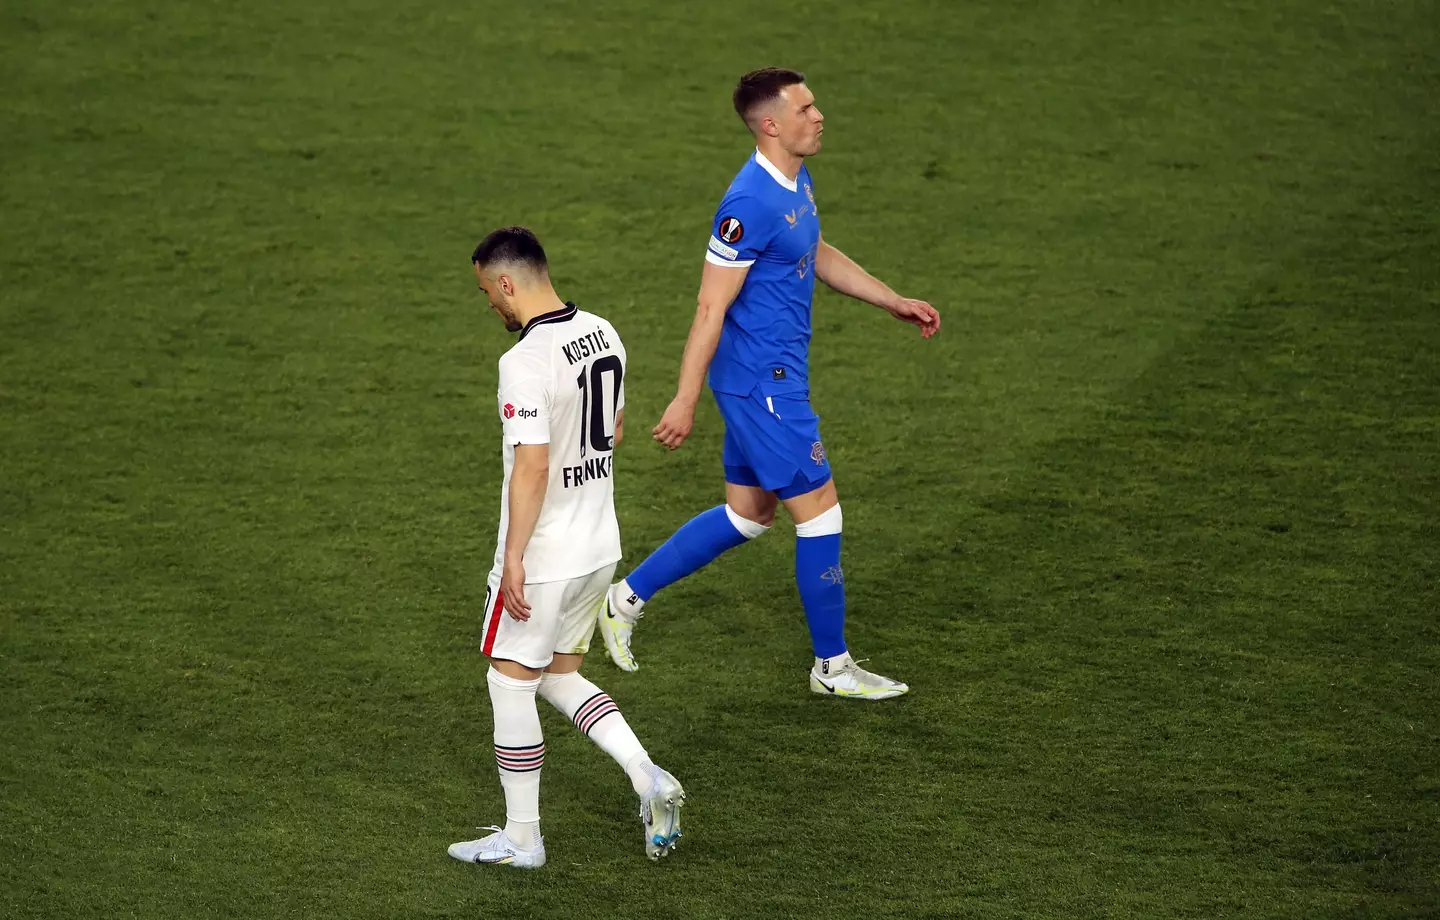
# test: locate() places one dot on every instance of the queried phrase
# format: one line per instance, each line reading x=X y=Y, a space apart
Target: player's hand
x=917 y=313
x=676 y=423
x=512 y=589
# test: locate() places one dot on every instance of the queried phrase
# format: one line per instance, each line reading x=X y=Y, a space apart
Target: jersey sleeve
x=740 y=232
x=524 y=401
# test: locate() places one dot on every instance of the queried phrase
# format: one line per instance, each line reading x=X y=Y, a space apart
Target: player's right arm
x=529 y=479
x=524 y=403
x=740 y=232
x=719 y=286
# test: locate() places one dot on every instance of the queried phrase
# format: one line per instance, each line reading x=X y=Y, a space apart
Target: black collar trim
x=554 y=316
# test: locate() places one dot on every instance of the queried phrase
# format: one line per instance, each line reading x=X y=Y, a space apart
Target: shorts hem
x=801 y=486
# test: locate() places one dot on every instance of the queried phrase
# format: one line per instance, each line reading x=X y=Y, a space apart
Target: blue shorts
x=773 y=442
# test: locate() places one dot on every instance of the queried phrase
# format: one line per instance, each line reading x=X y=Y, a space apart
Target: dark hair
x=762 y=86
x=509 y=245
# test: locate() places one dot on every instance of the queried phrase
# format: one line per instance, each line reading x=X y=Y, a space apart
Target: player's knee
x=825 y=523
x=750 y=529
x=553 y=683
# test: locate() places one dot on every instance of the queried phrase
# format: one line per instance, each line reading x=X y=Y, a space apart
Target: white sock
x=627 y=604
x=641 y=772
x=594 y=713
x=827 y=666
x=519 y=754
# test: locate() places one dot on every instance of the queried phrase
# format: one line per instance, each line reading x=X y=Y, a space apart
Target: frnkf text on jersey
x=591 y=343
x=597 y=468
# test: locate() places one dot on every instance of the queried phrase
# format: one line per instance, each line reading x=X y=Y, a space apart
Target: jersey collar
x=774 y=171
x=554 y=316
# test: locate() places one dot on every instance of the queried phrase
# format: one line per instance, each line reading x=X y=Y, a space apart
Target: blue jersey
x=769 y=223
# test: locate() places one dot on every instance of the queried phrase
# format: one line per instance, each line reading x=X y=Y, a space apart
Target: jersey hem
x=497 y=571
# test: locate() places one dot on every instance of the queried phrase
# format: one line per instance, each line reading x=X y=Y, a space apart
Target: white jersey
x=563 y=384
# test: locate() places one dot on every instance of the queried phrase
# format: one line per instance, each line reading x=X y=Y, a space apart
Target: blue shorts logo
x=817 y=453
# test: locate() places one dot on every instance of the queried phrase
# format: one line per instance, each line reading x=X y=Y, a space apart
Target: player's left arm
x=842 y=273
x=620 y=392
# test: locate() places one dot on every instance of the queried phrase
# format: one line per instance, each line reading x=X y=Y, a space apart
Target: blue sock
x=822 y=591
x=692 y=547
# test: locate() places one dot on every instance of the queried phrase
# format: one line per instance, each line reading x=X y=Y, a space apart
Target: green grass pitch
x=1150 y=528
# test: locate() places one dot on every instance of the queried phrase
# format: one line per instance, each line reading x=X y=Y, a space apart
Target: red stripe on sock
x=520 y=759
x=594 y=718
x=520 y=766
x=590 y=705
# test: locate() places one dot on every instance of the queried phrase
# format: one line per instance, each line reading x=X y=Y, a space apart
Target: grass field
x=1150 y=528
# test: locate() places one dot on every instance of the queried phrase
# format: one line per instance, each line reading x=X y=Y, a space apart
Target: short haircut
x=761 y=87
x=511 y=246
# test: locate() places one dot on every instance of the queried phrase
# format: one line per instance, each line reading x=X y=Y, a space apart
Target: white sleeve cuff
x=713 y=259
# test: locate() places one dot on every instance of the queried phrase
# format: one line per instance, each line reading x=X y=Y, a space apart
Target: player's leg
x=747 y=513
x=703 y=538
x=518 y=652
x=695 y=545
x=595 y=714
x=818 y=574
x=814 y=506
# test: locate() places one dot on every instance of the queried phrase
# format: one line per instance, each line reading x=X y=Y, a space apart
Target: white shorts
x=563 y=615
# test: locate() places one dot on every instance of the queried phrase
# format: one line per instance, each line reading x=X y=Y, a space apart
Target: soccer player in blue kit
x=752 y=331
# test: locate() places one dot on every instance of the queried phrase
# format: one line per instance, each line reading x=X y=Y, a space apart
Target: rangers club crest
x=731 y=230
x=811 y=195
x=817 y=453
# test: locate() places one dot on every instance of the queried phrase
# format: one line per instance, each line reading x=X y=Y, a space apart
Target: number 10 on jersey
x=597 y=425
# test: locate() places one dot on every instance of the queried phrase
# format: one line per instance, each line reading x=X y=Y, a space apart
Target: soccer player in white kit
x=561 y=405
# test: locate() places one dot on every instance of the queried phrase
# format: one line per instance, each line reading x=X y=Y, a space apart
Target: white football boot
x=497 y=850
x=616 y=631
x=846 y=678
x=660 y=812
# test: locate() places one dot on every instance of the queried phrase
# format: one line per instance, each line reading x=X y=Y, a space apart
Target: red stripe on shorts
x=495 y=614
